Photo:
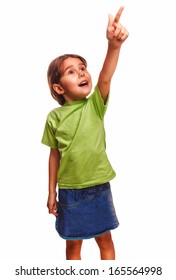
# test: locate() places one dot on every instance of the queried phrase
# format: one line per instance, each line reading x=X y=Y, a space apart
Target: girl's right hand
x=52 y=204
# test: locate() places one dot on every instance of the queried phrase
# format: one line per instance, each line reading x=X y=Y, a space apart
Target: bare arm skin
x=116 y=35
x=54 y=160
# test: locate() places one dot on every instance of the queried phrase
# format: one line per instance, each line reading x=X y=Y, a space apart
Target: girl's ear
x=58 y=88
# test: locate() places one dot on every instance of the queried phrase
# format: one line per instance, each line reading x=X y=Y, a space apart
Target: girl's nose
x=81 y=74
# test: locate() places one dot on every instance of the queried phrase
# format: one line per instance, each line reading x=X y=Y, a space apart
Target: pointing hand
x=116 y=32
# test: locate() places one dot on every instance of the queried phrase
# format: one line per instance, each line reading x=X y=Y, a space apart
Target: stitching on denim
x=114 y=226
x=83 y=201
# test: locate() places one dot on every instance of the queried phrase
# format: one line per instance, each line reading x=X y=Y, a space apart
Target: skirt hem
x=88 y=237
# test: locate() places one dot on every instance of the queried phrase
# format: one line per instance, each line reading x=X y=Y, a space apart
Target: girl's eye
x=83 y=68
x=71 y=72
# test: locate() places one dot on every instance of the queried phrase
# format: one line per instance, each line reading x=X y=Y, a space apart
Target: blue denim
x=85 y=213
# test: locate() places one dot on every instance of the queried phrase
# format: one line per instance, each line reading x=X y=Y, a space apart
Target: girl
x=78 y=162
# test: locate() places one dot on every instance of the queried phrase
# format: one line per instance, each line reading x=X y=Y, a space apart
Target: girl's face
x=75 y=81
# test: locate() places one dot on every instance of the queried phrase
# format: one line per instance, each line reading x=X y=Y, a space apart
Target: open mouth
x=83 y=84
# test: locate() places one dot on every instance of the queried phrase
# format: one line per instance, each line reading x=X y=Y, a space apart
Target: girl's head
x=68 y=78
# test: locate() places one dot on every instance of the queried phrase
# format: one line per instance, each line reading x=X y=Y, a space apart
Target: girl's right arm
x=54 y=160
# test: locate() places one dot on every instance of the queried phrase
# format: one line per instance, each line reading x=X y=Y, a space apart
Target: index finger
x=118 y=15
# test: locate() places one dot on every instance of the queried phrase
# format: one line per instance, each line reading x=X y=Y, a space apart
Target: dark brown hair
x=54 y=74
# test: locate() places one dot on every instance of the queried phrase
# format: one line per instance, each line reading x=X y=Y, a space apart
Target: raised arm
x=116 y=35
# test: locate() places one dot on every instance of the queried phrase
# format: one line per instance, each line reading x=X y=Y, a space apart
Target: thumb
x=110 y=20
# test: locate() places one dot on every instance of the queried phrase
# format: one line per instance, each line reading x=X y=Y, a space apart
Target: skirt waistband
x=73 y=197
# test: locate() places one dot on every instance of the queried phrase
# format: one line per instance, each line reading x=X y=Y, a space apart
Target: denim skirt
x=85 y=213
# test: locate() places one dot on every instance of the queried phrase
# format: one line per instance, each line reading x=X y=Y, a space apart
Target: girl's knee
x=73 y=249
x=74 y=244
x=106 y=246
x=104 y=239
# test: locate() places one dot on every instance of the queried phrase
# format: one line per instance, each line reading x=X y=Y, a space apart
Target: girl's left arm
x=116 y=35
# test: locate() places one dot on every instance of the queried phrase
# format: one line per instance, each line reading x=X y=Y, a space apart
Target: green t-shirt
x=77 y=130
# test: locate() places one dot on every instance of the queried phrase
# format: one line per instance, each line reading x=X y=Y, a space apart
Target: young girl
x=78 y=161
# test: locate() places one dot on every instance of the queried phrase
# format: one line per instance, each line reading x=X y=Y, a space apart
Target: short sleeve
x=99 y=103
x=49 y=138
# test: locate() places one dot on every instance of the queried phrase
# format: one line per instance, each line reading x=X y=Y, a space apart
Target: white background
x=140 y=124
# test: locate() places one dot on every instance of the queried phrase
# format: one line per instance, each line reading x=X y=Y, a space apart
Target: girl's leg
x=73 y=249
x=105 y=243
